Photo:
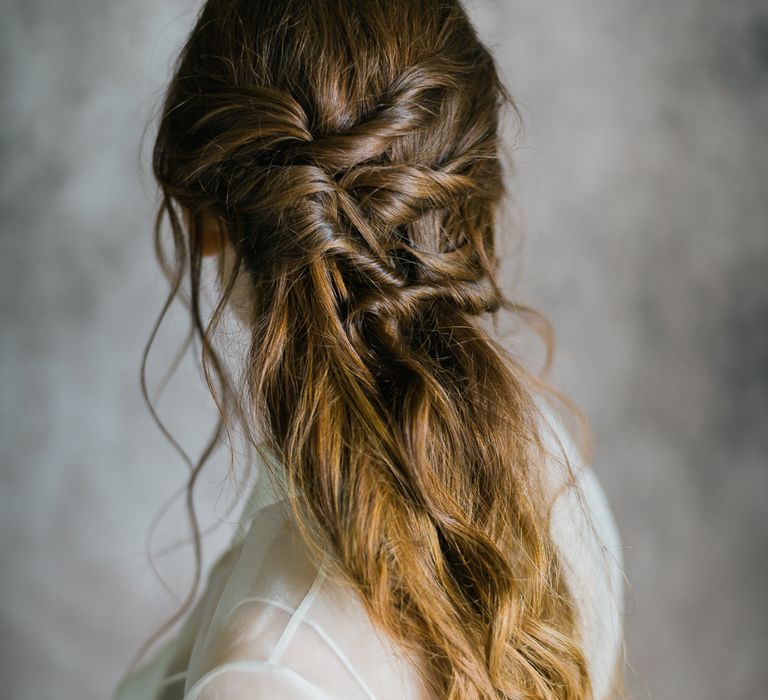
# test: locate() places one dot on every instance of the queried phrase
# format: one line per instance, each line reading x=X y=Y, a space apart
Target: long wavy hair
x=351 y=151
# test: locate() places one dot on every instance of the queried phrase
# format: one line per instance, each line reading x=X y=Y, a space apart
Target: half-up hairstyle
x=350 y=151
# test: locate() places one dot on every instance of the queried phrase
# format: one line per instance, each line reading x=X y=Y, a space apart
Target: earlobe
x=213 y=237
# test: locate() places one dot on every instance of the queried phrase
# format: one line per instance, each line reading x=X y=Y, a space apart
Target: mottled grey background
x=641 y=189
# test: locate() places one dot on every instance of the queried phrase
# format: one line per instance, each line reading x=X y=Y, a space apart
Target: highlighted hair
x=350 y=149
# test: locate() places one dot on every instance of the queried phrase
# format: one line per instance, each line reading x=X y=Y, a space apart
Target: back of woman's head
x=350 y=151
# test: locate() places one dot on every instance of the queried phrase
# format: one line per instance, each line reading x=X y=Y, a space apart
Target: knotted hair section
x=268 y=126
x=302 y=195
x=358 y=237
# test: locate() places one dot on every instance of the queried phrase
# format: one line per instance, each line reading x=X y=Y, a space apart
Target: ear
x=213 y=235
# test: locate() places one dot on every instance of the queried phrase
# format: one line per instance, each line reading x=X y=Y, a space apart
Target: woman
x=423 y=528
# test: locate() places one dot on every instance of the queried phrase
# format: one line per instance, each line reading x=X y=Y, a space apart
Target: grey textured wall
x=641 y=187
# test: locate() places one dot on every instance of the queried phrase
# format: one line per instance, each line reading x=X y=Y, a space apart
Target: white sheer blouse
x=271 y=625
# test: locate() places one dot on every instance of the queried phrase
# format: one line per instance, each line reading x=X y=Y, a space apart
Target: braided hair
x=351 y=150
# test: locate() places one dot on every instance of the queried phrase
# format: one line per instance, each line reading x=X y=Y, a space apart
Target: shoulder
x=583 y=527
x=578 y=501
x=284 y=628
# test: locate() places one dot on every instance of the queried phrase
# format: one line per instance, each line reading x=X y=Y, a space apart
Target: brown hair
x=351 y=151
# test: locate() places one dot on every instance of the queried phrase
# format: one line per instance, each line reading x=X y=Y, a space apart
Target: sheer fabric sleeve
x=283 y=628
x=251 y=680
x=161 y=676
x=273 y=650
